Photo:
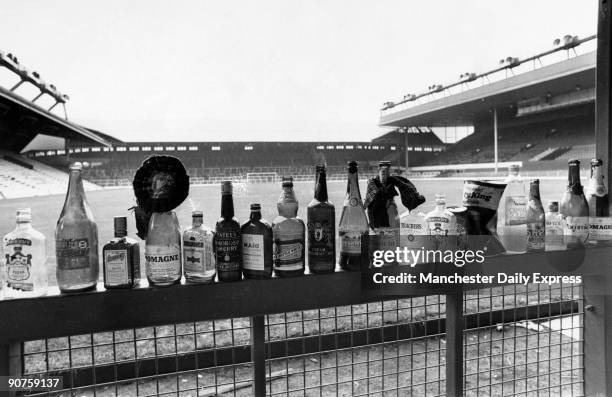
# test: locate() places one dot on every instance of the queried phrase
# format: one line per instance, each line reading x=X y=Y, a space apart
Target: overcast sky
x=267 y=69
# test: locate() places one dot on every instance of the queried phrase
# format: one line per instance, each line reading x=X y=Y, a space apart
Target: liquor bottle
x=289 y=233
x=554 y=228
x=26 y=259
x=198 y=254
x=227 y=238
x=574 y=209
x=600 y=222
x=321 y=220
x=512 y=213
x=414 y=232
x=256 y=237
x=163 y=249
x=536 y=225
x=76 y=239
x=121 y=258
x=442 y=224
x=353 y=229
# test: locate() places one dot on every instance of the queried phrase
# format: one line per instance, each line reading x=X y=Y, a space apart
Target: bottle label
x=227 y=246
x=482 y=195
x=321 y=240
x=554 y=233
x=516 y=210
x=253 y=252
x=535 y=237
x=388 y=238
x=162 y=261
x=439 y=225
x=116 y=270
x=18 y=265
x=415 y=236
x=351 y=243
x=288 y=254
x=197 y=255
x=600 y=228
x=72 y=253
x=576 y=229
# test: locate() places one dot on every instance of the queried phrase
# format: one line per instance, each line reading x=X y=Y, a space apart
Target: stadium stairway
x=18 y=180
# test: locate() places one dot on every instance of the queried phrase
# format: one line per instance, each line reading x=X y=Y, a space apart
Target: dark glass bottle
x=574 y=209
x=600 y=222
x=321 y=221
x=227 y=238
x=353 y=228
x=121 y=258
x=256 y=249
x=289 y=233
x=76 y=239
x=536 y=223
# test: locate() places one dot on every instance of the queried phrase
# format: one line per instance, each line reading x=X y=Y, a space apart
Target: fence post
x=10 y=363
x=454 y=344
x=258 y=355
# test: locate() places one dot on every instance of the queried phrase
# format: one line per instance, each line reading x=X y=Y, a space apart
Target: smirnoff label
x=576 y=229
x=288 y=254
x=253 y=251
x=600 y=229
x=116 y=267
x=350 y=243
x=162 y=260
x=72 y=253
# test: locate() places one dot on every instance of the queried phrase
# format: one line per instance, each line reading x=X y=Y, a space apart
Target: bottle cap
x=384 y=163
x=255 y=207
x=553 y=206
x=24 y=215
x=120 y=225
x=320 y=168
x=352 y=166
x=534 y=182
x=573 y=162
x=287 y=181
x=226 y=187
x=440 y=198
x=197 y=214
x=596 y=163
x=76 y=166
x=514 y=169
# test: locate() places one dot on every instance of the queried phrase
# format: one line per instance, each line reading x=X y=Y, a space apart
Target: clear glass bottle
x=227 y=238
x=163 y=249
x=289 y=233
x=414 y=232
x=353 y=229
x=442 y=224
x=26 y=259
x=512 y=213
x=536 y=225
x=198 y=255
x=256 y=237
x=121 y=258
x=574 y=209
x=76 y=239
x=554 y=228
x=600 y=222
x=321 y=221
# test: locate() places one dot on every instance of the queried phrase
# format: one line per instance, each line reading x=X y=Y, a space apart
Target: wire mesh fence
x=519 y=340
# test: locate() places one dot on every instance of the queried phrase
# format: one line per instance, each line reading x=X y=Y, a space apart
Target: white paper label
x=252 y=252
x=162 y=261
x=116 y=267
x=600 y=228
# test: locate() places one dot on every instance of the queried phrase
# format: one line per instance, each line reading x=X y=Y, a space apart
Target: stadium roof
x=21 y=120
x=465 y=107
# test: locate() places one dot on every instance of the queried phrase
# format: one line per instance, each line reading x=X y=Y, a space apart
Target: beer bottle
x=121 y=258
x=536 y=226
x=289 y=233
x=321 y=218
x=163 y=249
x=353 y=228
x=227 y=238
x=76 y=239
x=600 y=222
x=256 y=235
x=574 y=209
x=198 y=254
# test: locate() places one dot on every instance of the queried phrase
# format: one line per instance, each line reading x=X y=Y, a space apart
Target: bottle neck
x=255 y=215
x=24 y=225
x=75 y=197
x=352 y=187
x=227 y=206
x=534 y=192
x=321 y=187
x=383 y=174
x=573 y=179
x=196 y=222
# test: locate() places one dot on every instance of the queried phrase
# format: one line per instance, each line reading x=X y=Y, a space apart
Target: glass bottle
x=163 y=249
x=256 y=237
x=536 y=225
x=385 y=230
x=414 y=232
x=600 y=222
x=121 y=258
x=512 y=213
x=289 y=232
x=574 y=209
x=198 y=254
x=442 y=224
x=321 y=221
x=76 y=239
x=227 y=238
x=353 y=229
x=26 y=259
x=554 y=228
